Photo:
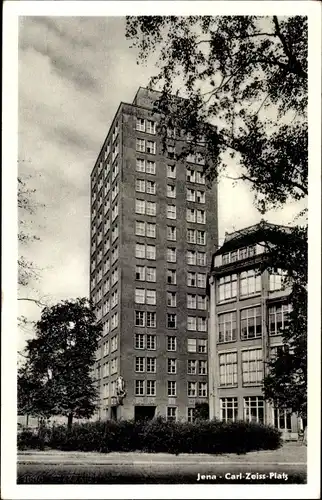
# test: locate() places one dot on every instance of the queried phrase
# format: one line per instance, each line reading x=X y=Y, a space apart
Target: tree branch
x=36 y=301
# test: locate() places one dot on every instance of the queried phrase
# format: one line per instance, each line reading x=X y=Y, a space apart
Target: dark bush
x=158 y=435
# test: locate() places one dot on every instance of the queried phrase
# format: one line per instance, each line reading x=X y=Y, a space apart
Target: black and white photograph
x=161 y=250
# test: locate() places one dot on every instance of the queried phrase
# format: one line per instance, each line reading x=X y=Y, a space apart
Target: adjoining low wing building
x=249 y=308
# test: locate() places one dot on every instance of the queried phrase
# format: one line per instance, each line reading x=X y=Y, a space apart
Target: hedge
x=157 y=435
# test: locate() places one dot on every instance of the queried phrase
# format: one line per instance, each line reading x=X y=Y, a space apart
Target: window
x=171 y=171
x=250 y=282
x=139 y=228
x=106 y=286
x=114 y=299
x=151 y=342
x=252 y=366
x=227 y=327
x=172 y=388
x=139 y=341
x=191 y=323
x=115 y=233
x=191 y=257
x=192 y=389
x=150 y=147
x=171 y=152
x=113 y=366
x=201 y=302
x=191 y=235
x=192 y=366
x=139 y=364
x=150 y=230
x=139 y=251
x=201 y=237
x=139 y=318
x=171 y=255
x=201 y=280
x=278 y=318
x=191 y=195
x=191 y=215
x=171 y=320
x=151 y=365
x=171 y=277
x=229 y=409
x=201 y=217
x=150 y=187
x=282 y=419
x=191 y=414
x=114 y=344
x=140 y=295
x=254 y=409
x=140 y=124
x=106 y=348
x=150 y=297
x=140 y=206
x=150 y=252
x=200 y=177
x=227 y=287
x=171 y=413
x=277 y=280
x=172 y=365
x=202 y=324
x=190 y=175
x=150 y=127
x=115 y=254
x=201 y=197
x=202 y=389
x=139 y=387
x=171 y=299
x=140 y=273
x=140 y=165
x=202 y=346
x=192 y=345
x=250 y=323
x=191 y=279
x=171 y=212
x=171 y=191
x=228 y=369
x=171 y=233
x=140 y=145
x=171 y=343
x=151 y=319
x=150 y=387
x=151 y=274
x=114 y=277
x=151 y=208
x=191 y=301
x=114 y=321
x=202 y=367
x=140 y=185
x=150 y=167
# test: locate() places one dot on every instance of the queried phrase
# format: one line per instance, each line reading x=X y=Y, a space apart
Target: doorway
x=144 y=412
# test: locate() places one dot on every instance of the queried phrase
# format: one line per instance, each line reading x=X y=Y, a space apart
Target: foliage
x=244 y=80
x=202 y=411
x=56 y=379
x=161 y=436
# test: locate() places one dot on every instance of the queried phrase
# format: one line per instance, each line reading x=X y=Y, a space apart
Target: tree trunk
x=27 y=419
x=70 y=421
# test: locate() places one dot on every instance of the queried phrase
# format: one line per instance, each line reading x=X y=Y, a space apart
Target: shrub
x=158 y=435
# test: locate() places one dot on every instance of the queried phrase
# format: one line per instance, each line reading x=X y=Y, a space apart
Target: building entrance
x=144 y=412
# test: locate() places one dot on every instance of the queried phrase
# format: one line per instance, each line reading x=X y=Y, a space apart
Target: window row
x=196 y=236
x=239 y=254
x=252 y=368
x=143 y=387
x=145 y=125
x=195 y=176
x=145 y=146
x=251 y=322
x=98 y=198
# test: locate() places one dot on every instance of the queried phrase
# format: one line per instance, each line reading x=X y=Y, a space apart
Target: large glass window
x=227 y=327
x=250 y=282
x=278 y=318
x=228 y=369
x=227 y=287
x=254 y=409
x=228 y=409
x=250 y=323
x=252 y=366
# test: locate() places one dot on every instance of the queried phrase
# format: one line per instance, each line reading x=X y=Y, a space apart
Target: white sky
x=73 y=73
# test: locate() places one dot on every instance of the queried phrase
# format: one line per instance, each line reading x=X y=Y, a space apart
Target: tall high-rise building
x=153 y=231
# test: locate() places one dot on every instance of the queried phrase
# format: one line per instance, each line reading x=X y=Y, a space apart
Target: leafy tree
x=244 y=84
x=56 y=379
x=201 y=411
